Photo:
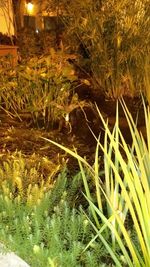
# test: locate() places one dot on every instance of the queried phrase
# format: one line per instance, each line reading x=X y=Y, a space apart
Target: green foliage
x=115 y=40
x=30 y=43
x=42 y=88
x=27 y=179
x=40 y=43
x=126 y=190
x=147 y=79
x=48 y=232
x=124 y=183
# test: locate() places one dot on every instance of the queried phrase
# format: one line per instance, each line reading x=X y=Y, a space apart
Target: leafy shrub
x=40 y=42
x=42 y=88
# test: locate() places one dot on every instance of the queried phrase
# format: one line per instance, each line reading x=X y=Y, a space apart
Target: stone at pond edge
x=10 y=259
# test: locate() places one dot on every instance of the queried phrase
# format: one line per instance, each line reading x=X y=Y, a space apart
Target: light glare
x=30 y=8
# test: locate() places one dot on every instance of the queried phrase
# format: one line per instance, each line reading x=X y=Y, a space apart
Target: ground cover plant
x=42 y=225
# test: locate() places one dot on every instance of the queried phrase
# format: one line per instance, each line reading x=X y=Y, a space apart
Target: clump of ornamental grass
x=113 y=39
x=124 y=184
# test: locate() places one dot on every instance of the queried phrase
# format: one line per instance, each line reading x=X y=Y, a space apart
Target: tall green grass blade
x=97 y=178
x=126 y=189
x=108 y=222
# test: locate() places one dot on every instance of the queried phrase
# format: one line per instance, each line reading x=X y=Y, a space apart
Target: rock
x=10 y=259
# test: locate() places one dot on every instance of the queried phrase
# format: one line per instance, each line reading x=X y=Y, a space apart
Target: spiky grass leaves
x=126 y=190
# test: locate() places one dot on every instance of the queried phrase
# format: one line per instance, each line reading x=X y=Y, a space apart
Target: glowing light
x=29 y=7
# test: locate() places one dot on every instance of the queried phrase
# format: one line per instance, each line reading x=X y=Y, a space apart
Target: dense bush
x=36 y=43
